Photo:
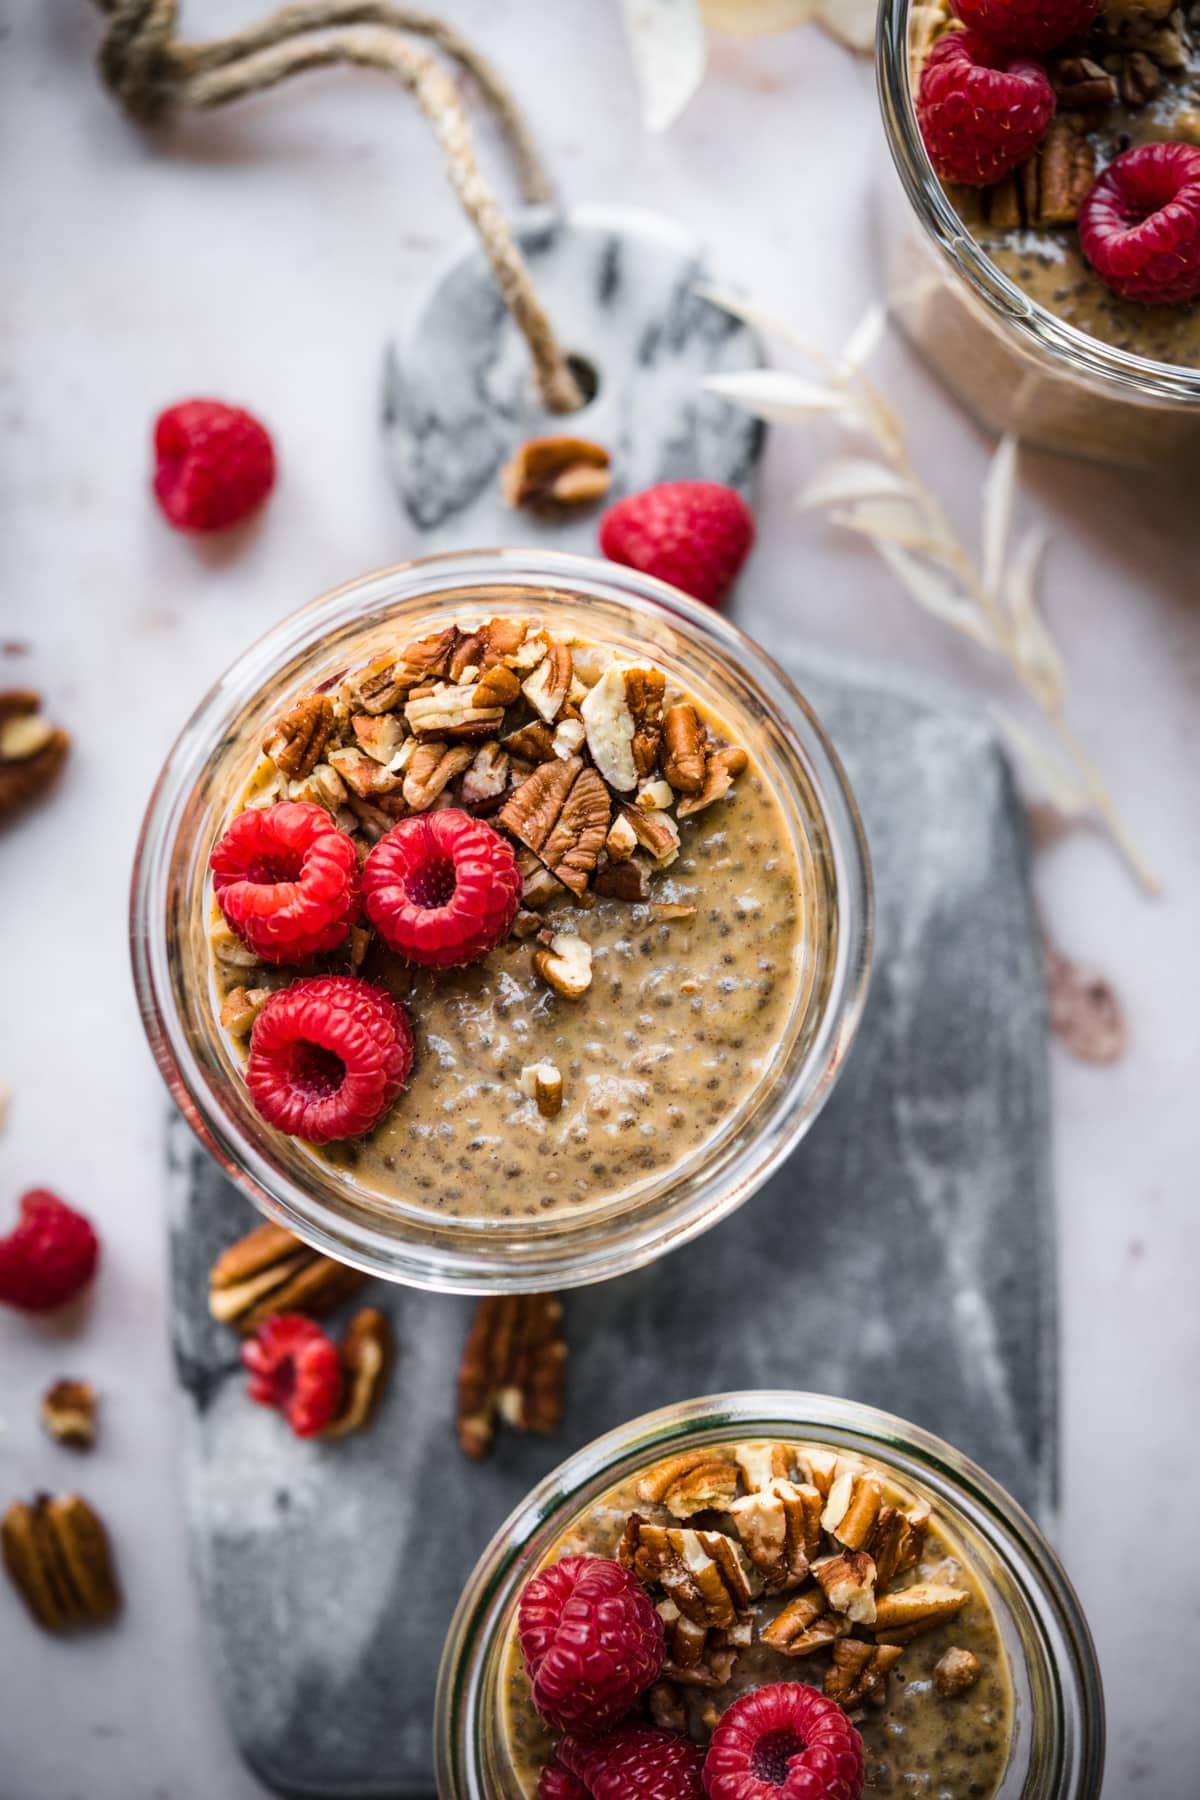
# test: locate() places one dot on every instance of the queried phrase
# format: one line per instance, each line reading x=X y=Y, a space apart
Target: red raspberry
x=442 y=889
x=784 y=1742
x=1026 y=24
x=694 y=534
x=637 y=1763
x=287 y=881
x=981 y=111
x=591 y=1640
x=1140 y=225
x=294 y=1367
x=327 y=1057
x=554 y=1783
x=49 y=1257
x=214 y=465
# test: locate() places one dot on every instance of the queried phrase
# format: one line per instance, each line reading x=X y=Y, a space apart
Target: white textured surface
x=264 y=256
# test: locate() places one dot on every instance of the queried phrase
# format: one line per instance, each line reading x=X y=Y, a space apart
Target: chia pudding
x=784 y=1562
x=659 y=952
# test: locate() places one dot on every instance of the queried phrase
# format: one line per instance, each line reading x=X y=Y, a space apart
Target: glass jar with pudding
x=759 y=1584
x=1051 y=274
x=501 y=920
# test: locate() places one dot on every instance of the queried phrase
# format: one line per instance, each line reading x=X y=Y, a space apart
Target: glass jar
x=1057 y=1750
x=1011 y=362
x=210 y=765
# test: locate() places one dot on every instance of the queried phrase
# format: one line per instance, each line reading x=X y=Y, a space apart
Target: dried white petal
x=852 y=478
x=998 y=487
x=669 y=51
x=867 y=335
x=1036 y=648
x=778 y=395
x=934 y=591
x=852 y=22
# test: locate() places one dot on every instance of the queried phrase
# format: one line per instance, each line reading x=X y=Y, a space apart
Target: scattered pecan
x=497 y=686
x=852 y=1507
x=644 y=690
x=32 y=751
x=622 y=839
x=58 y=1557
x=670 y=912
x=705 y=1573
x=513 y=1369
x=562 y=814
x=271 y=1271
x=542 y=1082
x=569 y=737
x=910 y=1611
x=656 y=832
x=378 y=734
x=378 y=687
x=621 y=715
x=858 y=1672
x=625 y=880
x=365 y=1352
x=1081 y=84
x=452 y=711
x=1140 y=78
x=720 y=769
x=805 y=1625
x=779 y=1525
x=69 y=1413
x=432 y=656
x=1085 y=1014
x=298 y=737
x=362 y=774
x=699 y=1655
x=848 y=1583
x=1057 y=179
x=554 y=474
x=683 y=749
x=547 y=688
x=955 y=1672
x=690 y=1483
x=895 y=1542
x=487 y=777
x=533 y=743
x=656 y=796
x=240 y=1007
x=565 y=963
x=432 y=769
x=322 y=786
x=668 y=1707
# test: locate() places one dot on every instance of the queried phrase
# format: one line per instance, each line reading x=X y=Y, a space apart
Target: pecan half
x=69 y=1413
x=690 y=1483
x=59 y=1560
x=858 y=1672
x=1140 y=78
x=1081 y=84
x=565 y=964
x=513 y=1369
x=683 y=749
x=32 y=751
x=852 y=1507
x=298 y=737
x=365 y=1353
x=1057 y=179
x=554 y=474
x=562 y=814
x=955 y=1672
x=906 y=1614
x=805 y=1625
x=432 y=769
x=699 y=1655
x=779 y=1525
x=271 y=1271
x=895 y=1542
x=644 y=690
x=848 y=1583
x=705 y=1573
x=377 y=687
x=720 y=769
x=533 y=743
x=452 y=711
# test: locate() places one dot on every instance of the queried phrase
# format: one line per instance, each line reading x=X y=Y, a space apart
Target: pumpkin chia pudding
x=505 y=923
x=768 y=1563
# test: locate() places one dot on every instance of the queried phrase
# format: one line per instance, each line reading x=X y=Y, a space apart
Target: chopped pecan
x=365 y=1353
x=240 y=1007
x=487 y=777
x=513 y=1368
x=690 y=1483
x=362 y=774
x=542 y=1082
x=644 y=690
x=610 y=726
x=656 y=796
x=670 y=912
x=497 y=686
x=622 y=839
x=565 y=964
x=527 y=924
x=58 y=1557
x=955 y=1672
x=705 y=1573
x=322 y=786
x=1081 y=84
x=432 y=769
x=32 y=751
x=533 y=743
x=377 y=688
x=229 y=949
x=499 y=641
x=656 y=832
x=452 y=711
x=720 y=769
x=540 y=889
x=271 y=1271
x=378 y=734
x=553 y=474
x=780 y=1526
x=627 y=880
x=848 y=1583
x=910 y=1611
x=569 y=737
x=529 y=653
x=683 y=749
x=805 y=1625
x=547 y=688
x=360 y=943
x=858 y=1672
x=296 y=740
x=895 y=1542
x=852 y=1507
x=699 y=1655
x=761 y=1464
x=668 y=1708
x=433 y=655
x=1055 y=181
x=562 y=814
x=820 y=1468
x=69 y=1413
x=372 y=820
x=1140 y=78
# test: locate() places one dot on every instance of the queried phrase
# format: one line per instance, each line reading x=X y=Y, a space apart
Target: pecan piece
x=627 y=880
x=58 y=1557
x=365 y=1353
x=377 y=687
x=1081 y=84
x=1056 y=180
x=554 y=474
x=698 y=1655
x=487 y=777
x=690 y=1483
x=904 y=1615
x=432 y=769
x=805 y=1625
x=562 y=814
x=1140 y=78
x=955 y=1672
x=895 y=1542
x=497 y=686
x=543 y=1083
x=547 y=688
x=705 y=1573
x=271 y=1271
x=452 y=711
x=852 y=1507
x=858 y=1672
x=683 y=749
x=720 y=769
x=513 y=1369
x=565 y=964
x=378 y=734
x=622 y=839
x=362 y=774
x=656 y=832
x=668 y=1708
x=298 y=737
x=69 y=1413
x=32 y=751
x=533 y=743
x=644 y=690
x=240 y=1007
x=848 y=1583
x=620 y=715
x=761 y=1464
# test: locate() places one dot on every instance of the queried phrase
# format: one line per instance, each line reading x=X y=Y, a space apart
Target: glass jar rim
x=444 y=1257
x=1040 y=330
x=906 y=1449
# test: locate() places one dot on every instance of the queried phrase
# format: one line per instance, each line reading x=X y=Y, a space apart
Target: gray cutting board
x=904 y=1256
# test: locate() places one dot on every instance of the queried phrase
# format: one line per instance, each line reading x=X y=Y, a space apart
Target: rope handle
x=155 y=75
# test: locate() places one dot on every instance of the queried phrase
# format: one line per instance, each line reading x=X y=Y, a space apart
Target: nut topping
x=562 y=813
x=534 y=743
x=848 y=1583
x=487 y=777
x=690 y=1483
x=513 y=1368
x=656 y=832
x=656 y=796
x=296 y=740
x=644 y=690
x=720 y=770
x=858 y=1672
x=547 y=688
x=378 y=734
x=543 y=1083
x=565 y=964
x=240 y=1007
x=805 y=1625
x=780 y=1527
x=366 y=1353
x=901 y=1616
x=452 y=711
x=362 y=774
x=955 y=1672
x=69 y=1413
x=431 y=770
x=271 y=1271
x=32 y=751
x=627 y=880
x=1081 y=84
x=852 y=1508
x=895 y=1542
x=699 y=1655
x=58 y=1558
x=683 y=749
x=705 y=1573
x=612 y=723
x=554 y=474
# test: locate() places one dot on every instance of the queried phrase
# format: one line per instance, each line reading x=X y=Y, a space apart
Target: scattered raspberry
x=287 y=881
x=1035 y=25
x=1140 y=225
x=294 y=1367
x=442 y=888
x=591 y=1640
x=981 y=110
x=555 y=1783
x=694 y=534
x=639 y=1762
x=49 y=1257
x=213 y=465
x=784 y=1742
x=327 y=1057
